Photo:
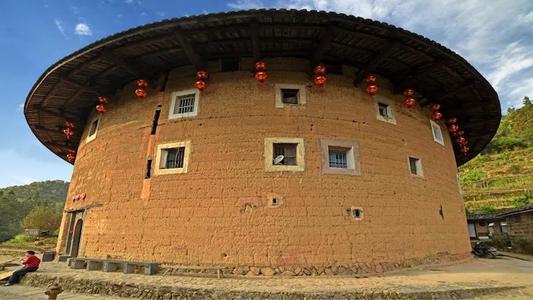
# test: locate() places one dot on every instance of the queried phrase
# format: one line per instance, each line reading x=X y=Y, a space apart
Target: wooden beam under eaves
x=254 y=35
x=378 y=59
x=325 y=41
x=128 y=66
x=195 y=59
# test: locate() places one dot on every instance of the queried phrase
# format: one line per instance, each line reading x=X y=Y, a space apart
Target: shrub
x=42 y=218
x=487 y=209
x=515 y=169
x=522 y=200
x=20 y=240
x=472 y=176
x=522 y=245
x=501 y=241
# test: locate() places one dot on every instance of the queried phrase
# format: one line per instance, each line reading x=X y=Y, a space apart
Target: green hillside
x=17 y=201
x=502 y=176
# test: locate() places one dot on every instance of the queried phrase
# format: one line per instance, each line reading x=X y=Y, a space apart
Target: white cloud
x=82 y=29
x=20 y=107
x=497 y=38
x=59 y=26
x=21 y=179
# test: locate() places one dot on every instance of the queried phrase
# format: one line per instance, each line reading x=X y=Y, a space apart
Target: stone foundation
x=361 y=269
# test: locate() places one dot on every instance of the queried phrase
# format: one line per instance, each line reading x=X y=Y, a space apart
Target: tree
x=43 y=218
x=10 y=210
x=526 y=101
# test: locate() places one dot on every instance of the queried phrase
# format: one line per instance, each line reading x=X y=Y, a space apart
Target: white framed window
x=437 y=132
x=288 y=95
x=284 y=154
x=93 y=128
x=340 y=157
x=384 y=110
x=184 y=104
x=172 y=158
x=415 y=166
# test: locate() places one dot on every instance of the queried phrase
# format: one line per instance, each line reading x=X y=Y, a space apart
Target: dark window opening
x=384 y=110
x=290 y=96
x=93 y=128
x=148 y=168
x=156 y=119
x=287 y=153
x=175 y=158
x=357 y=213
x=414 y=166
x=229 y=65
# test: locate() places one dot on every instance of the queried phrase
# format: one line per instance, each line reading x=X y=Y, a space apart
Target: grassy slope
x=502 y=177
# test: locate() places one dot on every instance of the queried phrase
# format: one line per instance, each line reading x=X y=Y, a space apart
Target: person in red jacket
x=31 y=264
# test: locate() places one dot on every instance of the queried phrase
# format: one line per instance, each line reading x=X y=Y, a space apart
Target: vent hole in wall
x=357 y=213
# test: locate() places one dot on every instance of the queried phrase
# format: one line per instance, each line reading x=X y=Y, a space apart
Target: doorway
x=76 y=237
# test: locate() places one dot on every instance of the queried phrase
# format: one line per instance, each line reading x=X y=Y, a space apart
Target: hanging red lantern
x=371 y=79
x=260 y=66
x=372 y=89
x=319 y=70
x=436 y=116
x=101 y=108
x=202 y=75
x=409 y=102
x=409 y=93
x=460 y=133
x=142 y=83
x=320 y=81
x=435 y=106
x=460 y=140
x=68 y=132
x=141 y=93
x=453 y=128
x=103 y=100
x=71 y=155
x=200 y=84
x=452 y=120
x=261 y=76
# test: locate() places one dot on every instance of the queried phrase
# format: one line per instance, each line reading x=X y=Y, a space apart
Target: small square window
x=172 y=158
x=437 y=132
x=338 y=157
x=357 y=213
x=415 y=166
x=184 y=104
x=384 y=110
x=284 y=154
x=290 y=96
x=93 y=129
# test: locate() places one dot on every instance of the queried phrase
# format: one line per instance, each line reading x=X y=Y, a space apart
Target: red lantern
x=409 y=102
x=68 y=132
x=460 y=140
x=435 y=106
x=260 y=66
x=100 y=108
x=70 y=124
x=142 y=83
x=201 y=75
x=261 y=76
x=452 y=120
x=371 y=79
x=200 y=84
x=103 y=100
x=71 y=156
x=409 y=93
x=320 y=81
x=436 y=116
x=141 y=93
x=460 y=133
x=319 y=70
x=453 y=128
x=372 y=89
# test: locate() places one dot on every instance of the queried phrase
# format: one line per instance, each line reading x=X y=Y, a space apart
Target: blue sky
x=495 y=36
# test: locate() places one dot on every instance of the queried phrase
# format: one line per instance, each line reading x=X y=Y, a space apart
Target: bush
x=501 y=241
x=42 y=218
x=487 y=209
x=523 y=200
x=472 y=176
x=20 y=240
x=522 y=245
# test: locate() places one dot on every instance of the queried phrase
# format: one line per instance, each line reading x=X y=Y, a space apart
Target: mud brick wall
x=521 y=226
x=219 y=212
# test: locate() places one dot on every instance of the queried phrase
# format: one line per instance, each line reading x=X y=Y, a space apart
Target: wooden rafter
x=323 y=45
x=128 y=66
x=378 y=59
x=254 y=35
x=196 y=59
